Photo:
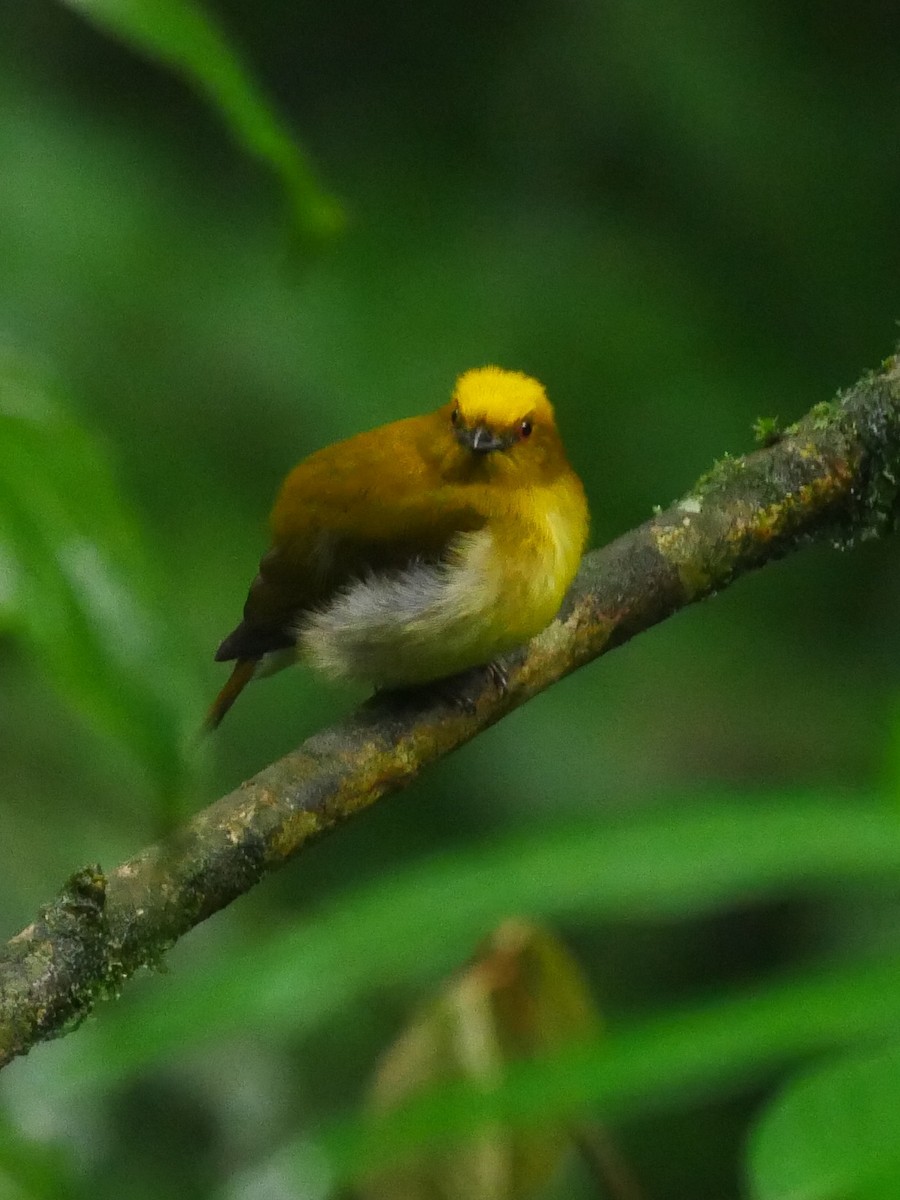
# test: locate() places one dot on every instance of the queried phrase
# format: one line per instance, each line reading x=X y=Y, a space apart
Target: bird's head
x=503 y=417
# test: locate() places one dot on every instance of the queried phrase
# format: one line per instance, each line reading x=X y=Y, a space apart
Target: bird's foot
x=461 y=692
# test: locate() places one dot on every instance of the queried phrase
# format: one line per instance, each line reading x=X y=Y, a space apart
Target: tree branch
x=833 y=477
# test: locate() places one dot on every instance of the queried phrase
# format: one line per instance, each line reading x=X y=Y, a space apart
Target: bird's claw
x=463 y=691
x=460 y=692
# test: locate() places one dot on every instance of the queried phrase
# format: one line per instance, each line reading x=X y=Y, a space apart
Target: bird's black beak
x=480 y=440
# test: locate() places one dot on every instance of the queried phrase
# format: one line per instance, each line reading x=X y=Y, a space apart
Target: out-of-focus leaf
x=32 y=1171
x=72 y=580
x=184 y=36
x=832 y=1134
x=891 y=763
x=673 y=863
x=702 y=1051
x=522 y=996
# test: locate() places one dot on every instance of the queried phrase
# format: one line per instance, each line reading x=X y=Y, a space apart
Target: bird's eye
x=525 y=428
x=455 y=418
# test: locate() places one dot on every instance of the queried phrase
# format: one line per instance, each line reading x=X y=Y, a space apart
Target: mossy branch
x=833 y=477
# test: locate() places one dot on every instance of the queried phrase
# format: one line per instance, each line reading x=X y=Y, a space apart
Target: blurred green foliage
x=668 y=1060
x=681 y=219
x=72 y=577
x=183 y=35
x=834 y=1133
x=31 y=1171
x=663 y=864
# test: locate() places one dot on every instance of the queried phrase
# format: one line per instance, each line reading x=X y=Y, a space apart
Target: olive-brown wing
x=375 y=503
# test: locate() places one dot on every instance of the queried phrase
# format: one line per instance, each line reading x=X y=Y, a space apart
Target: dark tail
x=243 y=672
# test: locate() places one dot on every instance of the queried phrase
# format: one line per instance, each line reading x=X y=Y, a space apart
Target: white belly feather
x=433 y=620
x=408 y=626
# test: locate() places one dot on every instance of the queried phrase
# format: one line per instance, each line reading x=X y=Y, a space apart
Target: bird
x=416 y=551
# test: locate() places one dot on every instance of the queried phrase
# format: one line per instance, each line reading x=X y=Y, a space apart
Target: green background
x=680 y=218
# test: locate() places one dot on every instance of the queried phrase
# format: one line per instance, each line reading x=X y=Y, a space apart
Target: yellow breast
x=497 y=588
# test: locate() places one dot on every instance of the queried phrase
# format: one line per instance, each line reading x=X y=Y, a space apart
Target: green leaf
x=673 y=863
x=638 y=1070
x=185 y=37
x=72 y=579
x=833 y=1133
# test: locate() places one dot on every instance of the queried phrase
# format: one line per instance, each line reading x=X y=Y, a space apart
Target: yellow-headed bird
x=419 y=549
